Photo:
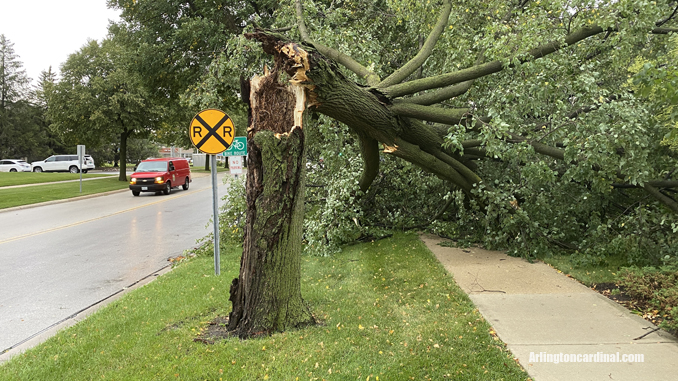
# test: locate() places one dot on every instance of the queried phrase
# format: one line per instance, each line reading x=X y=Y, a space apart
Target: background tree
x=100 y=100
x=141 y=149
x=52 y=142
x=173 y=43
x=23 y=131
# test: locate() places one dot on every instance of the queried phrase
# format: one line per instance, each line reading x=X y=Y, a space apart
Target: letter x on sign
x=212 y=131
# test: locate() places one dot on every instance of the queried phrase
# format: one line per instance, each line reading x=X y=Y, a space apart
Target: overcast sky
x=45 y=32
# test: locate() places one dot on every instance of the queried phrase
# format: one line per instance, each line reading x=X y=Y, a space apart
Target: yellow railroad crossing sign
x=211 y=131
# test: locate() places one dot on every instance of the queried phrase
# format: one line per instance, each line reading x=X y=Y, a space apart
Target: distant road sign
x=211 y=131
x=238 y=148
x=235 y=165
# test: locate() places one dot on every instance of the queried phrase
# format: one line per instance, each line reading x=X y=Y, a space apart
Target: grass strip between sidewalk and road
x=23 y=178
x=50 y=192
x=389 y=311
x=220 y=169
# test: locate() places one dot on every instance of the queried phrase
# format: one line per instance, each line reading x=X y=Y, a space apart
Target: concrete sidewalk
x=536 y=310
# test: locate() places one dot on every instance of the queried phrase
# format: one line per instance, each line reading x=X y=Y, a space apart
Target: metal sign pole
x=215 y=214
x=81 y=159
x=211 y=131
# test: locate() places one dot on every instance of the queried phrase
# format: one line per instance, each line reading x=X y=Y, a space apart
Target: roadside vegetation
x=387 y=311
x=50 y=192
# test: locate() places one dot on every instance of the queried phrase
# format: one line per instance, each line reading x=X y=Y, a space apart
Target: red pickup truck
x=160 y=175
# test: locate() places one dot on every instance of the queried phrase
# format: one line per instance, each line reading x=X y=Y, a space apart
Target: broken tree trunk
x=266 y=296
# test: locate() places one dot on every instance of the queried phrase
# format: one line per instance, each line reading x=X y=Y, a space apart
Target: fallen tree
x=409 y=116
x=528 y=113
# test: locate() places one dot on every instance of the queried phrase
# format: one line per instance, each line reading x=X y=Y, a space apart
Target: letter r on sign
x=227 y=130
x=197 y=130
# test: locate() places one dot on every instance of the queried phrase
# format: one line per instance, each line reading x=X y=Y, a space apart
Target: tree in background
x=52 y=142
x=172 y=43
x=23 y=131
x=100 y=100
x=141 y=149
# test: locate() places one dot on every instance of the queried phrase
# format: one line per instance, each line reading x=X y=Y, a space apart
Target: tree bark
x=123 y=155
x=266 y=296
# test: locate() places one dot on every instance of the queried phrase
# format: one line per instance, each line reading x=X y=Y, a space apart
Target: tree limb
x=438 y=95
x=443 y=80
x=668 y=201
x=468 y=174
x=488 y=68
x=429 y=163
x=654 y=183
x=662 y=22
x=425 y=52
x=370 y=151
x=370 y=77
x=541 y=148
x=430 y=113
x=664 y=30
x=301 y=24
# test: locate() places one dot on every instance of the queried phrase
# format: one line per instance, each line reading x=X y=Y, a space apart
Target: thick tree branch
x=468 y=174
x=425 y=52
x=654 y=183
x=443 y=80
x=668 y=201
x=370 y=77
x=438 y=95
x=430 y=113
x=471 y=143
x=664 y=30
x=541 y=148
x=301 y=24
x=370 y=152
x=662 y=22
x=485 y=69
x=429 y=163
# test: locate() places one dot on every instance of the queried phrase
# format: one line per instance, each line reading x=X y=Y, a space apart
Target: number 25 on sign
x=212 y=131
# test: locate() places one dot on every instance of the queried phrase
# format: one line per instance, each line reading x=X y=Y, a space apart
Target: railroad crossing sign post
x=81 y=160
x=212 y=132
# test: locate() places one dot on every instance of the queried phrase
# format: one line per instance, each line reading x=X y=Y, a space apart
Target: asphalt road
x=57 y=259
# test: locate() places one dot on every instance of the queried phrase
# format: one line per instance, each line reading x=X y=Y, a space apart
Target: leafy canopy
x=567 y=147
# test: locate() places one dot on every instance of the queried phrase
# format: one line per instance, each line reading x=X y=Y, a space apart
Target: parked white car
x=14 y=165
x=63 y=163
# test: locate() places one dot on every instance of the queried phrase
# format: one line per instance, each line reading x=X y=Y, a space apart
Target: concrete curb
x=79 y=316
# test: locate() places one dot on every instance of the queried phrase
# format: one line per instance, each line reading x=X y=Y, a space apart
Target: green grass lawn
x=589 y=274
x=220 y=168
x=389 y=311
x=49 y=192
x=22 y=178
